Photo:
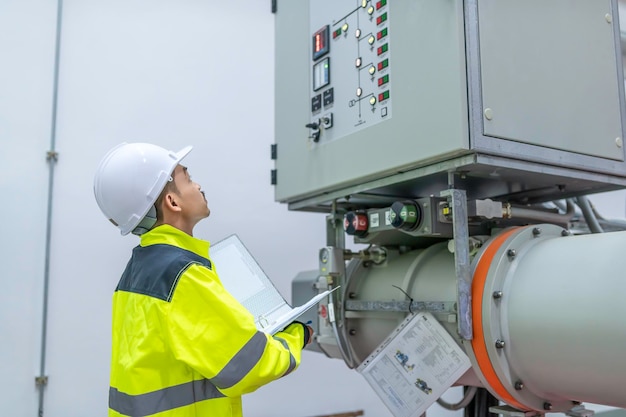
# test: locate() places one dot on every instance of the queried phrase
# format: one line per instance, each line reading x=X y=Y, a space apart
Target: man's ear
x=170 y=202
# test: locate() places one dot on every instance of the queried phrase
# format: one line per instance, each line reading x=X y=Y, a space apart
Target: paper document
x=242 y=276
x=415 y=365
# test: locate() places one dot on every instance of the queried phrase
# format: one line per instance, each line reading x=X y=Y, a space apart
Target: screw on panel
x=576 y=402
x=566 y=233
x=499 y=344
x=536 y=232
x=352 y=295
x=352 y=332
x=497 y=294
x=547 y=406
x=511 y=253
x=519 y=385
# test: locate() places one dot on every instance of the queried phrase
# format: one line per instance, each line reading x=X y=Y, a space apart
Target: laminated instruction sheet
x=415 y=365
x=244 y=279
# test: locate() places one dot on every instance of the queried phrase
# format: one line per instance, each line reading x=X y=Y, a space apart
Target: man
x=182 y=345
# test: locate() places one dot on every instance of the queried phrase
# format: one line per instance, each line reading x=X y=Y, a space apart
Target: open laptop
x=242 y=276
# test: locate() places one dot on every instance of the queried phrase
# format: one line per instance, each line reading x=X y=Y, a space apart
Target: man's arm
x=215 y=335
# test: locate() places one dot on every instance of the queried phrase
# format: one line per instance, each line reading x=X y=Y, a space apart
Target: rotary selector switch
x=355 y=224
x=405 y=215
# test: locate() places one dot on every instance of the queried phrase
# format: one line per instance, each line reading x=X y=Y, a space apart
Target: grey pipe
x=51 y=157
x=590 y=218
x=542 y=216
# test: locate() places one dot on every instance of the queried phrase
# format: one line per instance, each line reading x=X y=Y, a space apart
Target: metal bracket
x=52 y=156
x=458 y=203
x=509 y=411
x=41 y=380
x=580 y=411
x=400 y=306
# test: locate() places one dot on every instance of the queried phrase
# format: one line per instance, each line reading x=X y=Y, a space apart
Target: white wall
x=172 y=73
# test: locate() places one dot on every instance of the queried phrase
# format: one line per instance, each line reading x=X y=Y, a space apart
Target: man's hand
x=309 y=339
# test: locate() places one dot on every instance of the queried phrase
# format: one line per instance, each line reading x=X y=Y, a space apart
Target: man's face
x=192 y=200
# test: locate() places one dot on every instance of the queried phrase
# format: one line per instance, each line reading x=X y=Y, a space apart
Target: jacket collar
x=169 y=235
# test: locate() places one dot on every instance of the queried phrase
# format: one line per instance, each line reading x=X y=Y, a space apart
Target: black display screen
x=321 y=46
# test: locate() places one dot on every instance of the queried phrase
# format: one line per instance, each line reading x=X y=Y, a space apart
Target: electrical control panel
x=350 y=67
x=377 y=100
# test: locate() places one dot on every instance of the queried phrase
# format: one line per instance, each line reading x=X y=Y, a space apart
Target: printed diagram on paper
x=415 y=365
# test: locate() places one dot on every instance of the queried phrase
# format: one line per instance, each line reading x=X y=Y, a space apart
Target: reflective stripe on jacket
x=182 y=345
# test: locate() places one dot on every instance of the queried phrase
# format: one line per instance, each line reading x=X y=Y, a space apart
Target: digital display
x=321 y=74
x=320 y=42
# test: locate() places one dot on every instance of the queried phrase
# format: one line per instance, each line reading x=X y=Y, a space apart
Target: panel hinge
x=273 y=6
x=274 y=177
x=273 y=151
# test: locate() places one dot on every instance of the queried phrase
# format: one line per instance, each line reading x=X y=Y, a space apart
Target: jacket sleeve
x=210 y=331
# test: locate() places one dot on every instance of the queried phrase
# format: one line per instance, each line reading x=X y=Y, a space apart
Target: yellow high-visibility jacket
x=182 y=345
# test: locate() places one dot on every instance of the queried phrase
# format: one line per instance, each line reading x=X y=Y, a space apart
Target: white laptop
x=242 y=276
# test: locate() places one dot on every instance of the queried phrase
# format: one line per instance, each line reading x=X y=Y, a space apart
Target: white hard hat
x=128 y=181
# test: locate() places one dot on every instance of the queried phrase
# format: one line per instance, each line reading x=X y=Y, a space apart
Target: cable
x=344 y=350
x=410 y=298
x=467 y=398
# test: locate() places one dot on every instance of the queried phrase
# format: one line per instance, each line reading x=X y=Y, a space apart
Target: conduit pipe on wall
x=51 y=156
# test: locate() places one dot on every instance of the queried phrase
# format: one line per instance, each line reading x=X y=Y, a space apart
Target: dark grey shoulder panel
x=154 y=270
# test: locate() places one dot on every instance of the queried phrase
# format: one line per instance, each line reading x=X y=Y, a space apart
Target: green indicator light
x=383 y=17
x=384 y=32
x=385 y=63
x=385 y=47
x=383 y=2
x=386 y=95
x=386 y=79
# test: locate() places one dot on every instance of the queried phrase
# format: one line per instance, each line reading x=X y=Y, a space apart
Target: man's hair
x=170 y=187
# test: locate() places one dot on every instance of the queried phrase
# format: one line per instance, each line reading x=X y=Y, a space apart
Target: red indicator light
x=381 y=97
x=379 y=20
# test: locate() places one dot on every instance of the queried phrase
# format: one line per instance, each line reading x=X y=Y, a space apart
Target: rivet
x=618 y=142
x=488 y=114
x=547 y=406
x=519 y=385
x=609 y=18
x=499 y=344
x=511 y=253
x=497 y=294
x=536 y=231
x=352 y=332
x=565 y=233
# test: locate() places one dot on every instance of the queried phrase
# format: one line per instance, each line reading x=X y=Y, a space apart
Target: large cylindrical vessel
x=549 y=322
